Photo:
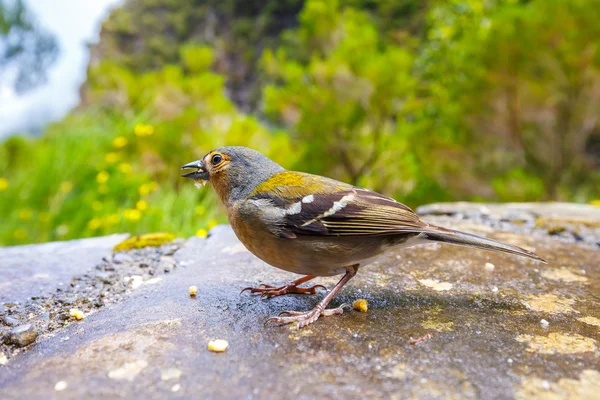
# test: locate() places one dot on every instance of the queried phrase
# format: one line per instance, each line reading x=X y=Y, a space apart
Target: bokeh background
x=101 y=102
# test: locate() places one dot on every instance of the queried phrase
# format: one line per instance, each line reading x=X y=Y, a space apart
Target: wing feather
x=314 y=205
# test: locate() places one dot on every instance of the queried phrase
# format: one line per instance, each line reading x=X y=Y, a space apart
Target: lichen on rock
x=549 y=303
x=555 y=342
x=586 y=387
x=148 y=240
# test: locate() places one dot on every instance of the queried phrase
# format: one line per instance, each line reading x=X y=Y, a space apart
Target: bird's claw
x=304 y=318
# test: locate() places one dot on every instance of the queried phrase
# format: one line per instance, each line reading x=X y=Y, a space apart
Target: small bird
x=315 y=226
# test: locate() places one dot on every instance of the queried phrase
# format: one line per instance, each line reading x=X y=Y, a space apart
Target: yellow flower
x=132 y=214
x=111 y=158
x=125 y=168
x=144 y=190
x=66 y=187
x=102 y=177
x=119 y=142
x=103 y=189
x=96 y=205
x=200 y=210
x=143 y=130
x=593 y=202
x=147 y=188
x=113 y=219
x=141 y=205
x=3 y=184
x=94 y=224
x=202 y=232
x=211 y=224
x=25 y=214
x=20 y=234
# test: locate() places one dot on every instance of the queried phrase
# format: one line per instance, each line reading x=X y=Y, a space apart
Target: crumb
x=193 y=290
x=218 y=346
x=544 y=323
x=361 y=305
x=77 y=314
x=421 y=339
x=489 y=267
x=60 y=386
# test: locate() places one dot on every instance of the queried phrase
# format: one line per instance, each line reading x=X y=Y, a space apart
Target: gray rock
x=105 y=277
x=167 y=264
x=440 y=324
x=22 y=335
x=38 y=270
x=560 y=211
x=120 y=258
x=10 y=321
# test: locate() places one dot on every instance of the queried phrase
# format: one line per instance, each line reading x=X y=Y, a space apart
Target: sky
x=74 y=23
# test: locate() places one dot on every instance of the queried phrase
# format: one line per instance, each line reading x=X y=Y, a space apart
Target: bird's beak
x=200 y=173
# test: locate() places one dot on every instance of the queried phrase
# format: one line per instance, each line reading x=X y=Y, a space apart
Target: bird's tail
x=466 y=239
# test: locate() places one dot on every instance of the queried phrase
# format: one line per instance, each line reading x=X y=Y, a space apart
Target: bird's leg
x=292 y=287
x=308 y=317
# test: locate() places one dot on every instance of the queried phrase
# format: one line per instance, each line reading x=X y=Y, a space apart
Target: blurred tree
x=522 y=80
x=145 y=35
x=26 y=50
x=341 y=90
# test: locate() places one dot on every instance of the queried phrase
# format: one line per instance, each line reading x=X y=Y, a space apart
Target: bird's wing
x=313 y=205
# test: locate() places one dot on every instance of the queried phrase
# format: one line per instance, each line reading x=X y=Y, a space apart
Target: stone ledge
x=499 y=326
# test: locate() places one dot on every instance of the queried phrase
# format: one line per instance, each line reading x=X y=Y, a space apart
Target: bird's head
x=233 y=171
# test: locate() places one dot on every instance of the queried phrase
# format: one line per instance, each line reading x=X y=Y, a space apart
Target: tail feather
x=467 y=239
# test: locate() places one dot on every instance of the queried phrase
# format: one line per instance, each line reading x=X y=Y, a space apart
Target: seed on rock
x=22 y=335
x=544 y=323
x=60 y=386
x=218 y=346
x=77 y=314
x=193 y=290
x=489 y=267
x=361 y=305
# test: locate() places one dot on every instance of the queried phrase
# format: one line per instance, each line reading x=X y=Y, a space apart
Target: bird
x=313 y=225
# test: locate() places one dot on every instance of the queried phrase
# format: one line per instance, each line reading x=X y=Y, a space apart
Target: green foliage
x=115 y=166
x=495 y=87
x=519 y=79
x=349 y=99
x=426 y=101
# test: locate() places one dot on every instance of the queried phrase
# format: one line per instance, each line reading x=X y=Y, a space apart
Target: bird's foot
x=303 y=318
x=267 y=291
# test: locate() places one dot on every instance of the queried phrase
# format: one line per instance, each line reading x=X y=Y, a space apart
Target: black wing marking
x=352 y=212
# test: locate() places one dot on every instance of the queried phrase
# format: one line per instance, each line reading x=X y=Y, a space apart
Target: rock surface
x=441 y=323
x=22 y=335
x=38 y=270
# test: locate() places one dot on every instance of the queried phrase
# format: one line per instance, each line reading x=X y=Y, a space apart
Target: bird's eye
x=217 y=158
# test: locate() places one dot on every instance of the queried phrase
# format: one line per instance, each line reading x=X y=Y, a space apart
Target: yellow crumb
x=361 y=305
x=193 y=290
x=218 y=346
x=77 y=314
